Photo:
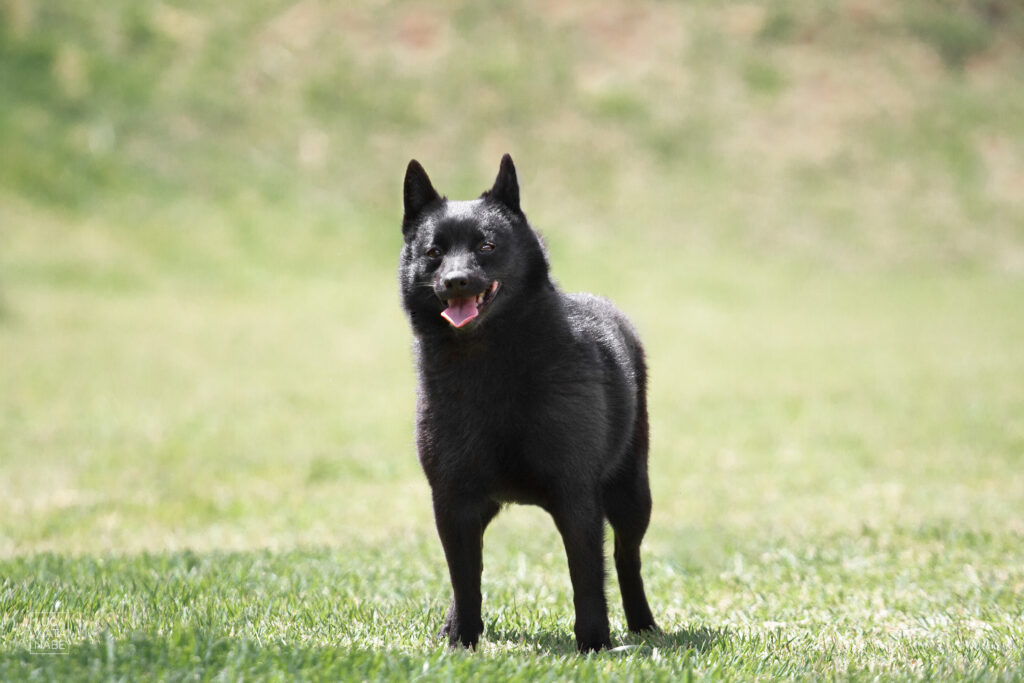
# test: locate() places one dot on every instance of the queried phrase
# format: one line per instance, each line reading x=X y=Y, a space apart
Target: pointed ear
x=506 y=185
x=418 y=192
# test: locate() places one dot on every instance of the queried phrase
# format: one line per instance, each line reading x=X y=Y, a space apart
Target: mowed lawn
x=208 y=468
x=812 y=212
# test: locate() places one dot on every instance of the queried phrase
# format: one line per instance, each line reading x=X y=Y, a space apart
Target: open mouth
x=464 y=309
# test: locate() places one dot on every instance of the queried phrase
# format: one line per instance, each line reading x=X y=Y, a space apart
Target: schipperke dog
x=526 y=395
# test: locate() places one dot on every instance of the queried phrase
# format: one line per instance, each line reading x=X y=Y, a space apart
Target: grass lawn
x=207 y=466
x=215 y=475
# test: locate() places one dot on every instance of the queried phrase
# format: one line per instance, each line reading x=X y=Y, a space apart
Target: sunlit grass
x=836 y=472
x=811 y=211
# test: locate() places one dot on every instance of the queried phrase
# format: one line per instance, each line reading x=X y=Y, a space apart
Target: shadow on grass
x=196 y=653
x=699 y=639
x=553 y=642
x=202 y=656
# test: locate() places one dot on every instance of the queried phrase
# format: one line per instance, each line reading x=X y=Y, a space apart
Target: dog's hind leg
x=461 y=531
x=628 y=507
x=627 y=504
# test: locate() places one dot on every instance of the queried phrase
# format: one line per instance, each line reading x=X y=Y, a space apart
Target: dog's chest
x=511 y=437
x=470 y=409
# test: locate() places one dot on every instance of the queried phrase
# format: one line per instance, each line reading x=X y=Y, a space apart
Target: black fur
x=539 y=399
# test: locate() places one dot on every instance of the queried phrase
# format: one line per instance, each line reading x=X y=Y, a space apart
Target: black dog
x=526 y=395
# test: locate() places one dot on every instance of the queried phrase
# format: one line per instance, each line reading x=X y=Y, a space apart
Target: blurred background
x=813 y=210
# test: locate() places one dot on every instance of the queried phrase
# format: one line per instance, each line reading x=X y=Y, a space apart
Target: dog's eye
x=487 y=247
x=434 y=252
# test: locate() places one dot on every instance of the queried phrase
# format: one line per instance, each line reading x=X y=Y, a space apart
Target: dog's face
x=463 y=262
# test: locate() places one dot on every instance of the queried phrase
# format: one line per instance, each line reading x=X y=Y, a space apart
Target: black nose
x=456 y=281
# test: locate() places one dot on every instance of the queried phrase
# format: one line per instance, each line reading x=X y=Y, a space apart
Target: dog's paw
x=461 y=637
x=593 y=639
x=458 y=635
x=465 y=640
x=646 y=625
x=449 y=622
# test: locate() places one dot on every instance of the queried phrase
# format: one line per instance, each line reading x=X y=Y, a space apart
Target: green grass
x=214 y=474
x=797 y=609
x=811 y=210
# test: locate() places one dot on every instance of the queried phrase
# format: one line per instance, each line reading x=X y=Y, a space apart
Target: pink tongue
x=460 y=311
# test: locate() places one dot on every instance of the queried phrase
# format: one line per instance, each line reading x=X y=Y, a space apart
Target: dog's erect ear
x=506 y=186
x=418 y=193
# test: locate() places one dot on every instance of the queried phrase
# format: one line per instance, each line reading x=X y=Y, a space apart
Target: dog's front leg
x=460 y=524
x=581 y=524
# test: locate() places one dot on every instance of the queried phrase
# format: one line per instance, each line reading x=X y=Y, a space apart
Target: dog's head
x=466 y=261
